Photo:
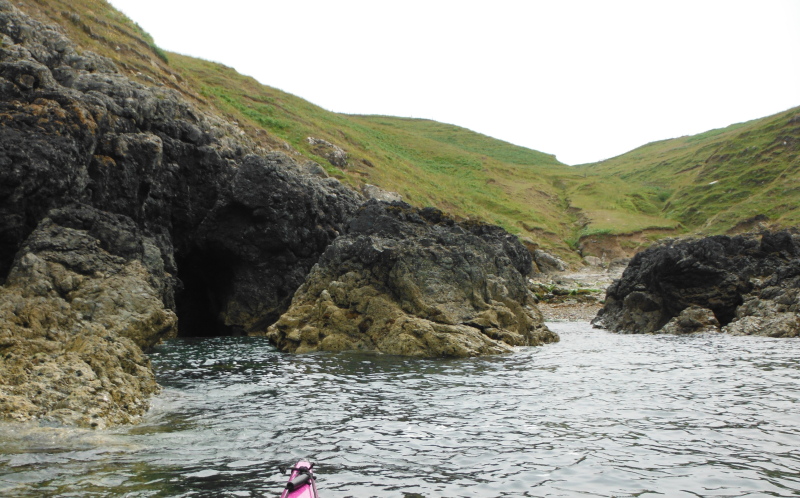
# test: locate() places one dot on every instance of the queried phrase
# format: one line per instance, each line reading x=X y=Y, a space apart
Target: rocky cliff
x=121 y=206
x=414 y=282
x=741 y=285
x=128 y=216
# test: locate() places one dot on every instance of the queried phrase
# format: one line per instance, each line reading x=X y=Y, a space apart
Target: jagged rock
x=333 y=153
x=772 y=309
x=734 y=277
x=778 y=325
x=548 y=263
x=413 y=282
x=377 y=193
x=693 y=319
x=84 y=296
x=264 y=234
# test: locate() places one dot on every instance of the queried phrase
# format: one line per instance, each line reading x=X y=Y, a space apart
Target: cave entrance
x=201 y=296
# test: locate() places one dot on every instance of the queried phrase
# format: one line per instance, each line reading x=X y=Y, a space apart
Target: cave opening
x=205 y=281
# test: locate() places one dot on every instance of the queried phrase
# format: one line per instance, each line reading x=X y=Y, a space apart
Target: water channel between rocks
x=597 y=414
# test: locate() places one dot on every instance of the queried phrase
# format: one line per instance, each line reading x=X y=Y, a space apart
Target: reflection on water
x=597 y=414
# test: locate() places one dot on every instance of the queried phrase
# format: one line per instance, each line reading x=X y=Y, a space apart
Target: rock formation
x=120 y=206
x=84 y=296
x=413 y=282
x=334 y=154
x=127 y=216
x=751 y=285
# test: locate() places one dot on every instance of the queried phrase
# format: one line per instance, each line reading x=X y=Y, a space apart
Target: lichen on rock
x=83 y=298
x=413 y=282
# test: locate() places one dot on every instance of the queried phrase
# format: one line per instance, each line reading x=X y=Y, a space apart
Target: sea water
x=597 y=414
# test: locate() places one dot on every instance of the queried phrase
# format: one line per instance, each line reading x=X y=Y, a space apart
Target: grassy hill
x=711 y=183
x=716 y=181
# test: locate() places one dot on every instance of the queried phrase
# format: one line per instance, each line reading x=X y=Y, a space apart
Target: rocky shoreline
x=128 y=216
x=742 y=285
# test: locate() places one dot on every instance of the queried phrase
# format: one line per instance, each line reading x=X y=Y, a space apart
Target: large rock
x=84 y=296
x=693 y=319
x=261 y=238
x=750 y=284
x=413 y=282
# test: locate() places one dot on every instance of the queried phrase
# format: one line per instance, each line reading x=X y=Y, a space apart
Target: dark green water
x=595 y=415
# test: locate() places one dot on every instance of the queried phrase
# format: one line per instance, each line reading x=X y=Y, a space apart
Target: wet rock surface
x=750 y=284
x=413 y=282
x=84 y=296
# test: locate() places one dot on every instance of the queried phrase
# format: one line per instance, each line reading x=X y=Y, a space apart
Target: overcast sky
x=584 y=80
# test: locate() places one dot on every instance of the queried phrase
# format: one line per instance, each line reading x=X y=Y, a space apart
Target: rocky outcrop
x=693 y=319
x=258 y=242
x=547 y=263
x=414 y=282
x=334 y=154
x=373 y=192
x=85 y=295
x=750 y=284
x=122 y=205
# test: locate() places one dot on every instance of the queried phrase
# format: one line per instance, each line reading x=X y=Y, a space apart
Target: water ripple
x=595 y=415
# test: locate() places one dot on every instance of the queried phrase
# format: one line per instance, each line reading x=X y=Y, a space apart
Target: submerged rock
x=413 y=282
x=750 y=284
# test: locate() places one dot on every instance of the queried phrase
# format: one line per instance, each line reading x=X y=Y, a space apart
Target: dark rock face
x=112 y=188
x=265 y=232
x=413 y=282
x=738 y=278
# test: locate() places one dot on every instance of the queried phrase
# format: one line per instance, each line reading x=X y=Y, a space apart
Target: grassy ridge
x=716 y=180
x=711 y=182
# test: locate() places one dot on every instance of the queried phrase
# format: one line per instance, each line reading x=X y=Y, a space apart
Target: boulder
x=335 y=155
x=693 y=319
x=734 y=277
x=547 y=263
x=373 y=192
x=414 y=282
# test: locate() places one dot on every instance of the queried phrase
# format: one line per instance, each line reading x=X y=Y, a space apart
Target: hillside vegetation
x=713 y=182
x=718 y=181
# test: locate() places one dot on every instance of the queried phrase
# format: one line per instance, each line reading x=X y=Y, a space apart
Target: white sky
x=585 y=80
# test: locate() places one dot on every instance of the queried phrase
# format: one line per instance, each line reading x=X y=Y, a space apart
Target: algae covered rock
x=693 y=319
x=413 y=282
x=83 y=298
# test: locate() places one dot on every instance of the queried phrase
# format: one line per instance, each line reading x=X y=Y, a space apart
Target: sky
x=584 y=80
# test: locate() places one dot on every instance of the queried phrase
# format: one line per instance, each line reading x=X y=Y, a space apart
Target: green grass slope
x=715 y=182
x=466 y=174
